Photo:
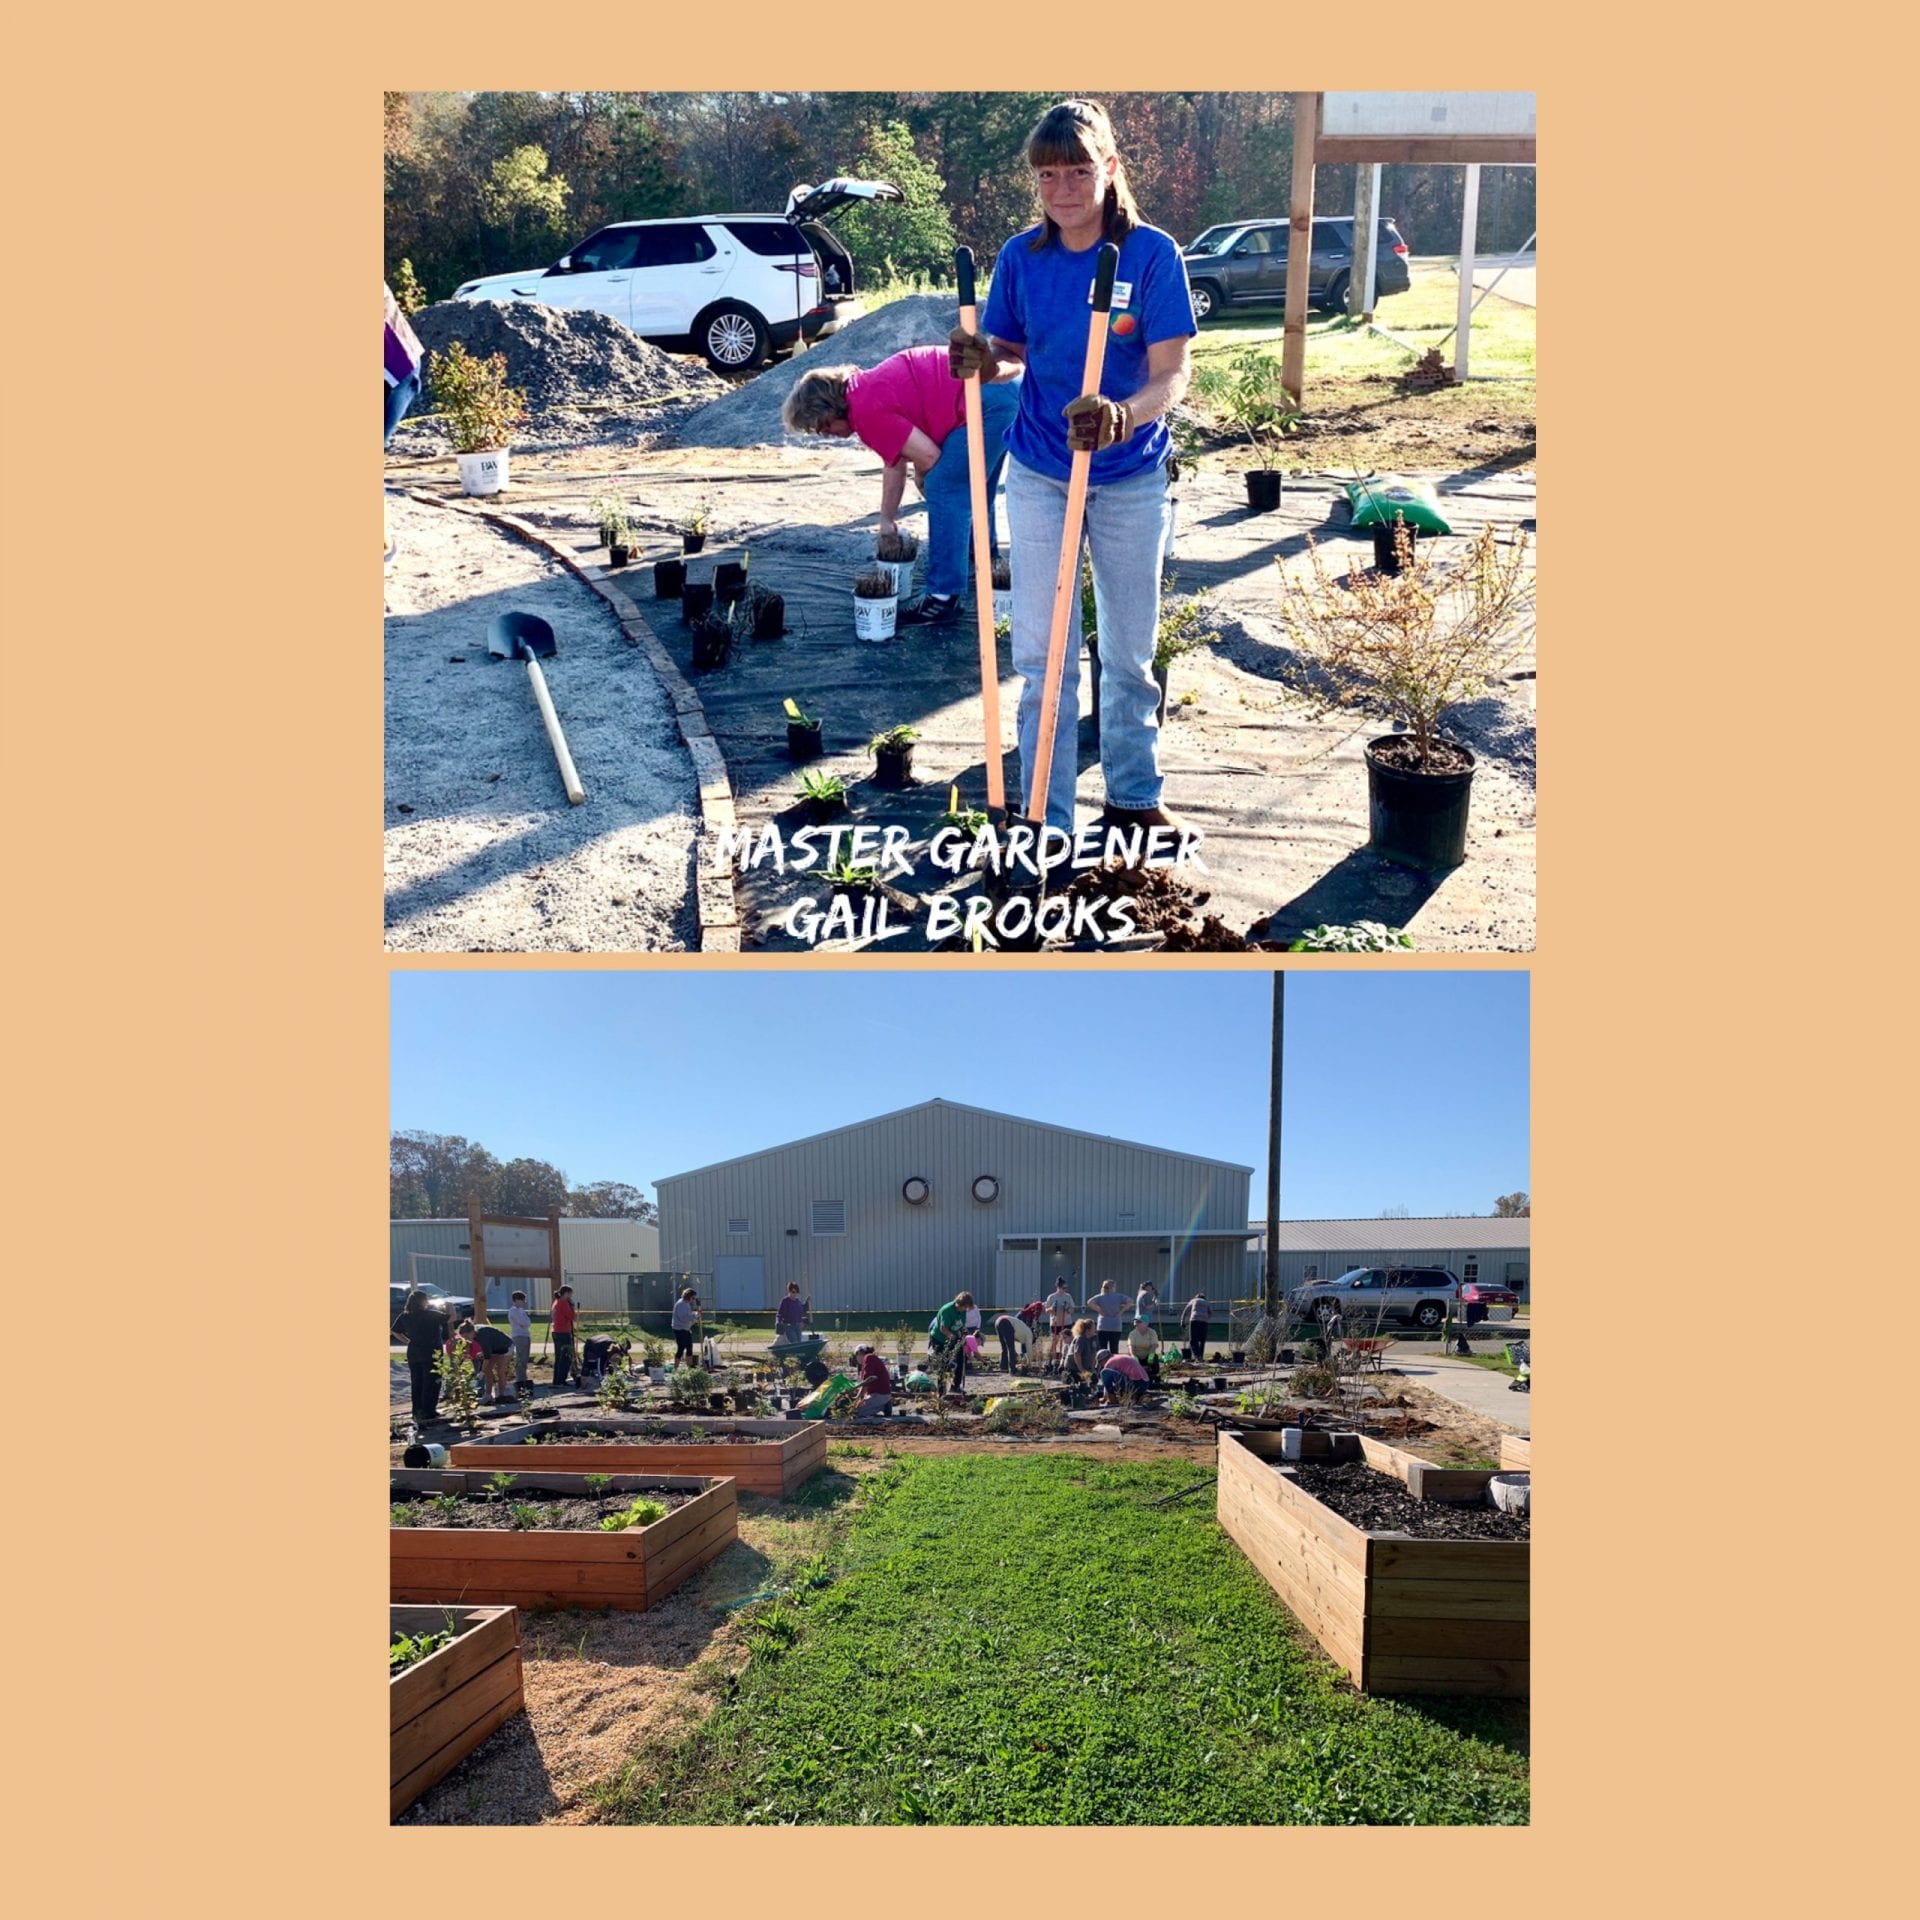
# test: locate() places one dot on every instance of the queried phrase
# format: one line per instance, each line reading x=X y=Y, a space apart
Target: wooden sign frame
x=548 y=1269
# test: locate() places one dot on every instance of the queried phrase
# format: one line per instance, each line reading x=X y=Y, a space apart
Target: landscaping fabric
x=1032 y=1640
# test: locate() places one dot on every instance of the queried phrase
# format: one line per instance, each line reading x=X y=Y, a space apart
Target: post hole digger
x=982 y=549
x=525 y=636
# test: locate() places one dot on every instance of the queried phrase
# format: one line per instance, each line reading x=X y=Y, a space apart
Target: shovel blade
x=520 y=635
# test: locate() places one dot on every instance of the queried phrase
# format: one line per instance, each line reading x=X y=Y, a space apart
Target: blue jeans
x=1126 y=530
x=950 y=492
x=399 y=399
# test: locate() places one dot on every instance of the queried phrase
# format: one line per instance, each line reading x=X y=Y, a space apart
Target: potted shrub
x=875 y=603
x=616 y=525
x=1002 y=590
x=897 y=551
x=824 y=795
x=712 y=642
x=1412 y=645
x=669 y=579
x=481 y=411
x=844 y=877
x=768 y=613
x=696 y=602
x=803 y=733
x=969 y=821
x=693 y=530
x=730 y=579
x=1246 y=391
x=893 y=756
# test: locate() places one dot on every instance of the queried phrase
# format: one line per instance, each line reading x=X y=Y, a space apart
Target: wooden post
x=1293 y=353
x=1469 y=228
x=1366 y=236
x=477 y=1253
x=553 y=1253
x=1270 y=1267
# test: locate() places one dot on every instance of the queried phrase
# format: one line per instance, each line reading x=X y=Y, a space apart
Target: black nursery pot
x=619 y=556
x=770 y=617
x=894 y=767
x=1385 y=560
x=1263 y=489
x=692 y=542
x=669 y=578
x=729 y=580
x=696 y=601
x=1417 y=819
x=803 y=743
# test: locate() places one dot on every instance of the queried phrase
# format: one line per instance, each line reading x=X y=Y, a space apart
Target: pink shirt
x=912 y=389
x=1126 y=1364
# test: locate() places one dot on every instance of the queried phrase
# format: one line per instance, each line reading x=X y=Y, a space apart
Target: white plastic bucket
x=1290 y=1438
x=483 y=473
x=1511 y=1492
x=901 y=572
x=873 y=619
x=1002 y=604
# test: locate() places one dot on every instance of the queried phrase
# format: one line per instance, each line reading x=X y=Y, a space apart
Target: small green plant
x=643 y=1513
x=531 y=1440
x=1364 y=936
x=797 y=717
x=457 y=1391
x=1265 y=1398
x=697 y=1434
x=1247 y=392
x=499 y=1485
x=524 y=1513
x=967 y=820
x=689 y=1386
x=472 y=396
x=597 y=1483
x=1183 y=1405
x=696 y=522
x=616 y=528
x=615 y=1394
x=401 y=1514
x=409 y=1649
x=1318 y=1381
x=823 y=789
x=851 y=879
x=446 y=1503
x=875 y=583
x=1182 y=628
x=409 y=295
x=1002 y=627
x=653 y=1351
x=894 y=738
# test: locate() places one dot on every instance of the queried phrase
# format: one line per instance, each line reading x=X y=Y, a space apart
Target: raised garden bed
x=443 y=1706
x=1516 y=1453
x=763 y=1456
x=1399 y=1613
x=571 y=1566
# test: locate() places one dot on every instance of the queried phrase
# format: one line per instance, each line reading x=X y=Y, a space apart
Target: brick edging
x=713 y=899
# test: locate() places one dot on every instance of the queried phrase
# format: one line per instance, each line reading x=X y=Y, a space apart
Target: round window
x=915 y=1191
x=986 y=1189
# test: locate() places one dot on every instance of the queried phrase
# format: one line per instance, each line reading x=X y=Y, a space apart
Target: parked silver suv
x=1363 y=1295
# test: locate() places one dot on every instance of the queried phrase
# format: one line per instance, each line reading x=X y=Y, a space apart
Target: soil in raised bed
x=559 y=1512
x=1378 y=1502
x=660 y=1439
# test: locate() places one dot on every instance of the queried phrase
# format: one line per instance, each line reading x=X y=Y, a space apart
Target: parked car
x=457 y=1306
x=1243 y=263
x=1363 y=1295
x=735 y=287
x=1479 y=1298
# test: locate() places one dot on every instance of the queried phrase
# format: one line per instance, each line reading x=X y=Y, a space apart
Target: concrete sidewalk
x=1478 y=1389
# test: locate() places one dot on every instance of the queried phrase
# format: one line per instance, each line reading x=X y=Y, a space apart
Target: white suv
x=733 y=286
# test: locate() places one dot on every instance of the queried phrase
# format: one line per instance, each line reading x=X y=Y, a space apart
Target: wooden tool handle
x=555 y=738
x=1067 y=582
x=982 y=547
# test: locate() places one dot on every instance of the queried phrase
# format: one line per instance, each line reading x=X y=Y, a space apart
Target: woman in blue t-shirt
x=1036 y=317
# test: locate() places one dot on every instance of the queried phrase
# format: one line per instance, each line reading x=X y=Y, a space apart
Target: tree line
x=440 y=1176
x=489 y=182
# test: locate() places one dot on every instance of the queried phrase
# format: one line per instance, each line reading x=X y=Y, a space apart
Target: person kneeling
x=876 y=1386
x=1122 y=1379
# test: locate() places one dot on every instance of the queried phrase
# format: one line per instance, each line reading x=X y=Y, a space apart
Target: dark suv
x=1243 y=263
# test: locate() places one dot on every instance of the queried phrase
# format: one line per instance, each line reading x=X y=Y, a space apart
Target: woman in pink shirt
x=912 y=412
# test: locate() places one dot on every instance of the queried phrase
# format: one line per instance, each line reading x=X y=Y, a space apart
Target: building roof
x=1472 y=1231
x=957 y=1106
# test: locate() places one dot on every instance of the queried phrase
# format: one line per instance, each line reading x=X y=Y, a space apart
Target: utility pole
x=1270 y=1276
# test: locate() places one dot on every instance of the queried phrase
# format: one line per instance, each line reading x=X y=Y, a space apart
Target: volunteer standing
x=1037 y=315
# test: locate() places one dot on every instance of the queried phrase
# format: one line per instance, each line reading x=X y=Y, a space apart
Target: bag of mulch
x=1385 y=497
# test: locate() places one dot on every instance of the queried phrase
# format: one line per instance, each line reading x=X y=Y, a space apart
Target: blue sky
x=1402 y=1089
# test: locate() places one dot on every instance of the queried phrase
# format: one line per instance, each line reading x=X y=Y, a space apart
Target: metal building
x=598 y=1255
x=1474 y=1248
x=902 y=1211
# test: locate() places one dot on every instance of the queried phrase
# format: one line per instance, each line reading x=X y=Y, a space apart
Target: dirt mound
x=1163 y=903
x=750 y=416
x=564 y=359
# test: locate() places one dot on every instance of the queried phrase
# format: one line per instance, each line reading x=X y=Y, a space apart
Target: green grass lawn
x=995 y=1640
x=1494 y=1363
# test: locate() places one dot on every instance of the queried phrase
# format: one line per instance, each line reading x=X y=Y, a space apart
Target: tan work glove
x=968 y=354
x=1094 y=421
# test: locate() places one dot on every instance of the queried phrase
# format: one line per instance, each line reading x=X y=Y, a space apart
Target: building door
x=740 y=1281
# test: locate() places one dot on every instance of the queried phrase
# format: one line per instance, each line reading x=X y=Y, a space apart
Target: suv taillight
x=1400 y=247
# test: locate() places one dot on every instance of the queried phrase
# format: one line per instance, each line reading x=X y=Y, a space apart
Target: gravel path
x=483 y=853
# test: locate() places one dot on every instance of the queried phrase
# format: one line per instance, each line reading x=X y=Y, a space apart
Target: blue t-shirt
x=1039 y=301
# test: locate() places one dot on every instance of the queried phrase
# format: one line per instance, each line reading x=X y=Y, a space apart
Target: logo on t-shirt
x=1123 y=324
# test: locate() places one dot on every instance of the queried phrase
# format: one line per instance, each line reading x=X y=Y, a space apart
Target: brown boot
x=1148 y=817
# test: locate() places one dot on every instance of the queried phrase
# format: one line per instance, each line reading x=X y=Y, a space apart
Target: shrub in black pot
x=893 y=756
x=669 y=578
x=768 y=612
x=712 y=643
x=696 y=602
x=693 y=532
x=1263 y=488
x=823 y=795
x=618 y=556
x=730 y=579
x=803 y=733
x=1413 y=644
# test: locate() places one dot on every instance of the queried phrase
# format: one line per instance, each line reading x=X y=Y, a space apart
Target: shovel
x=525 y=636
x=1066 y=586
x=982 y=545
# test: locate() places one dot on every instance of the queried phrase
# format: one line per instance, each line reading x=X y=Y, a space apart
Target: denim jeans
x=563 y=1361
x=950 y=492
x=1126 y=530
x=398 y=400
x=522 y=1358
x=874 y=1407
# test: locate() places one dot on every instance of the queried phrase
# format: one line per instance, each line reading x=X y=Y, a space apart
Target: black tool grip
x=1104 y=269
x=963 y=273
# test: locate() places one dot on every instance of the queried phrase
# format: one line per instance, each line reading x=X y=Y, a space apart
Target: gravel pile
x=565 y=359
x=750 y=416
